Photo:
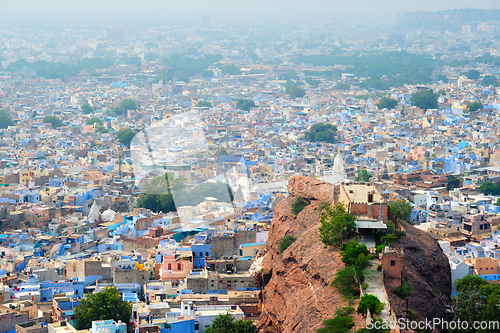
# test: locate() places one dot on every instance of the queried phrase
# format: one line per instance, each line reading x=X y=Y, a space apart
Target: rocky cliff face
x=297 y=296
x=427 y=270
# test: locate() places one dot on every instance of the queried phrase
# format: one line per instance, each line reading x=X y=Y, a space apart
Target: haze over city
x=249 y=167
x=79 y=11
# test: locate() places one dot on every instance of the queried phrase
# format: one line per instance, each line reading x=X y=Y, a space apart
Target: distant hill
x=456 y=17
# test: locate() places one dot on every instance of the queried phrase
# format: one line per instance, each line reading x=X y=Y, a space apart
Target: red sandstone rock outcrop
x=297 y=296
x=428 y=271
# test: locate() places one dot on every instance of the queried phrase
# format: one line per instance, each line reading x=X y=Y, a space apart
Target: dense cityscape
x=258 y=176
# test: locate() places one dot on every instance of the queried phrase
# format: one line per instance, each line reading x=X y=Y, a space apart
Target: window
x=201 y=254
x=179 y=266
x=206 y=254
x=169 y=266
x=196 y=325
x=393 y=262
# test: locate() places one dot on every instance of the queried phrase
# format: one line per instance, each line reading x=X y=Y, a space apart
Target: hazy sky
x=233 y=8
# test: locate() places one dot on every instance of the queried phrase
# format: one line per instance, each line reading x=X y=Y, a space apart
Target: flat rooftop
x=359 y=193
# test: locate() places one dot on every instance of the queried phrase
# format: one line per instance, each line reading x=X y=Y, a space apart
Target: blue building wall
x=92 y=278
x=490 y=277
x=200 y=251
x=186 y=326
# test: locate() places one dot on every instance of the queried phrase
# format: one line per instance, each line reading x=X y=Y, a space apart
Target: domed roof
x=338 y=165
x=108 y=215
x=94 y=212
x=338 y=175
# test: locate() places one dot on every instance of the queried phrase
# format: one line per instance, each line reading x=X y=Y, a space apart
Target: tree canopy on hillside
x=5 y=119
x=103 y=305
x=56 y=122
x=426 y=99
x=322 y=132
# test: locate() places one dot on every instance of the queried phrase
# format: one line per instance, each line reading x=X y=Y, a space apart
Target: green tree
x=157 y=202
x=101 y=129
x=125 y=136
x=127 y=104
x=443 y=78
x=426 y=99
x=289 y=76
x=56 y=122
x=375 y=84
x=401 y=209
x=294 y=89
x=204 y=104
x=387 y=103
x=363 y=176
x=389 y=238
x=441 y=92
x=473 y=74
x=245 y=104
x=470 y=302
x=489 y=188
x=231 y=70
x=5 y=119
x=158 y=196
x=339 y=324
x=337 y=225
x=351 y=252
x=207 y=73
x=93 y=121
x=347 y=280
x=225 y=323
x=187 y=64
x=181 y=76
x=342 y=86
x=363 y=96
x=490 y=80
x=106 y=304
x=497 y=203
x=285 y=242
x=404 y=290
x=299 y=204
x=369 y=302
x=312 y=82
x=86 y=108
x=252 y=55
x=474 y=106
x=322 y=132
